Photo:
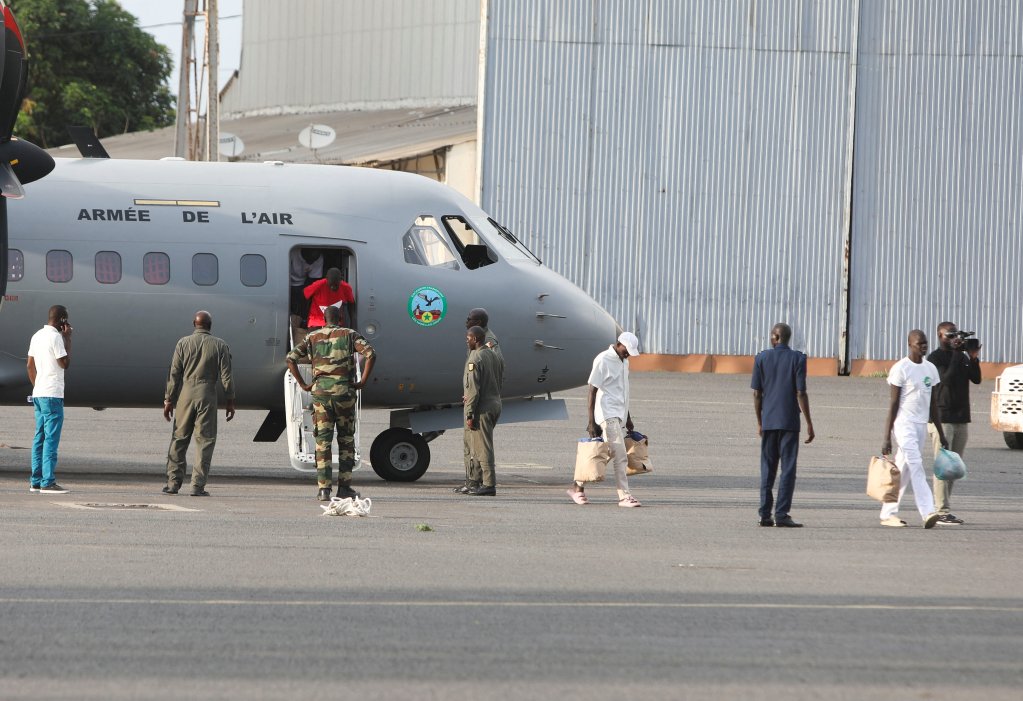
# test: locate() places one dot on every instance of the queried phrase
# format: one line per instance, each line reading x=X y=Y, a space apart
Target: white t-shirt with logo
x=917 y=380
x=610 y=375
x=46 y=346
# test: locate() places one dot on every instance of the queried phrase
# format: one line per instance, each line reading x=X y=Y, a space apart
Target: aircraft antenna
x=198 y=134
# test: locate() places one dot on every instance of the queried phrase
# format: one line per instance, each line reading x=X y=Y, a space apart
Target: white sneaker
x=33 y=488
x=893 y=522
x=629 y=502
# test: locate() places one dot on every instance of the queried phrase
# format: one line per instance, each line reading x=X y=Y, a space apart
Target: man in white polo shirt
x=49 y=354
x=609 y=412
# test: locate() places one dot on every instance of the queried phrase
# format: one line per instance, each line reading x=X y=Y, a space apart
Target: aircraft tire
x=1013 y=440
x=398 y=455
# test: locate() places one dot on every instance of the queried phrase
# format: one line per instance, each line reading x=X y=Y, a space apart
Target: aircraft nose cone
x=605 y=328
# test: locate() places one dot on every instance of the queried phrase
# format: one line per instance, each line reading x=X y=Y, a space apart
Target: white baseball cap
x=630 y=342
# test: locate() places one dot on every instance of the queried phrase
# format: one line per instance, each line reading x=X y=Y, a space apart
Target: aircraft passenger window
x=424 y=245
x=471 y=247
x=108 y=267
x=253 y=270
x=156 y=268
x=59 y=266
x=15 y=265
x=204 y=269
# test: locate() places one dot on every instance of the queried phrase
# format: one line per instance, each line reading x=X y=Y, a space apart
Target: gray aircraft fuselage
x=125 y=331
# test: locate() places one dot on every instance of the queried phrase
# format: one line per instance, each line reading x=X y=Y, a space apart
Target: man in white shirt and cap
x=609 y=412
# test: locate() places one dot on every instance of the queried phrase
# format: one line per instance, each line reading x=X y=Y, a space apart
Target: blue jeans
x=49 y=421
x=775 y=447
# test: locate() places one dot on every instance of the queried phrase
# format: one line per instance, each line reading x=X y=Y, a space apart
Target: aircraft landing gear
x=398 y=455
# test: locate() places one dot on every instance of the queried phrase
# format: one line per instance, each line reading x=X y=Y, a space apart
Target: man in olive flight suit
x=484 y=370
x=199 y=361
x=477 y=317
x=331 y=350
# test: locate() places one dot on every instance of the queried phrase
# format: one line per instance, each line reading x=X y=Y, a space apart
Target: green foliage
x=423 y=527
x=90 y=64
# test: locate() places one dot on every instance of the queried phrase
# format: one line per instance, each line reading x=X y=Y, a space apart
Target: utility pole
x=197 y=136
x=213 y=99
x=184 y=118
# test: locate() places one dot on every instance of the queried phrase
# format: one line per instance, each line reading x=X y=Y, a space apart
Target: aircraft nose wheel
x=398 y=455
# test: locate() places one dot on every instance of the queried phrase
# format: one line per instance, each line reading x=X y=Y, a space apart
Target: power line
x=50 y=35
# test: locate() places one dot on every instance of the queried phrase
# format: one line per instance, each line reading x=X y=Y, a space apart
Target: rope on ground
x=348 y=507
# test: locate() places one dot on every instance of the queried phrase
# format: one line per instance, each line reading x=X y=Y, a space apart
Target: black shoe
x=323 y=494
x=767 y=522
x=345 y=491
x=170 y=490
x=199 y=492
x=53 y=489
x=786 y=522
x=482 y=491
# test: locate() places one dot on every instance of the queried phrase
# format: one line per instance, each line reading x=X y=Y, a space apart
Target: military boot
x=345 y=491
x=323 y=494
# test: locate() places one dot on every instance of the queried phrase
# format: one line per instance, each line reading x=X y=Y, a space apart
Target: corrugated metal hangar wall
x=314 y=55
x=702 y=168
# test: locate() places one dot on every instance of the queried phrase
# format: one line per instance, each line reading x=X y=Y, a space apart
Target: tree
x=90 y=64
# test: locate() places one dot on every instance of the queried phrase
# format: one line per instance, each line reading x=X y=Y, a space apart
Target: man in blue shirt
x=779 y=393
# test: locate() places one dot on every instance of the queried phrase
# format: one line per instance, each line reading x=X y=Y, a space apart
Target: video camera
x=970 y=341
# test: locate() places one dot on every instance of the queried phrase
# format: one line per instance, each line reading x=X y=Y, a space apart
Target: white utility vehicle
x=1007 y=406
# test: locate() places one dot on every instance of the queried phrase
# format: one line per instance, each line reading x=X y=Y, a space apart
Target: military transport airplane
x=134 y=248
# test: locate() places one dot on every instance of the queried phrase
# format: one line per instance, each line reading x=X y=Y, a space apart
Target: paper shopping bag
x=883 y=480
x=637 y=448
x=591 y=458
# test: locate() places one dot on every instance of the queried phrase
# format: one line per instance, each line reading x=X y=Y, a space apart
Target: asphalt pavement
x=253 y=594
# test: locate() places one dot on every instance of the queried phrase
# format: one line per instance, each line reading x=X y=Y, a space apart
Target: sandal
x=578 y=497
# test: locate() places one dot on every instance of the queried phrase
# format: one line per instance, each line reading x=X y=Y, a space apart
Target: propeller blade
x=15 y=71
x=10 y=186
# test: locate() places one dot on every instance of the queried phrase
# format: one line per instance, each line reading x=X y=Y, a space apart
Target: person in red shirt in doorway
x=323 y=293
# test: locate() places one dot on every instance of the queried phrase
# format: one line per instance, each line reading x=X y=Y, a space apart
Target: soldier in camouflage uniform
x=484 y=372
x=331 y=350
x=477 y=317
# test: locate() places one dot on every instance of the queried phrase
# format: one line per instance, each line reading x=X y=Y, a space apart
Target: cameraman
x=957 y=368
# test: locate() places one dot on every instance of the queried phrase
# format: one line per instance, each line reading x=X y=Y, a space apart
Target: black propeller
x=20 y=161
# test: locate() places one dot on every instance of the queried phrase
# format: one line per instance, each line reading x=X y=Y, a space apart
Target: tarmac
x=254 y=594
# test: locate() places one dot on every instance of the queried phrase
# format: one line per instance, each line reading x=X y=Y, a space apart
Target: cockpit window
x=471 y=247
x=506 y=243
x=423 y=244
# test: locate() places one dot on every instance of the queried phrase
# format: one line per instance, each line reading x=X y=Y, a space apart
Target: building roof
x=363 y=137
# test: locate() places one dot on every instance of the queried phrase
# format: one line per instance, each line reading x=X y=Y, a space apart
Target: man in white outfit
x=913 y=404
x=609 y=412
